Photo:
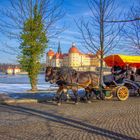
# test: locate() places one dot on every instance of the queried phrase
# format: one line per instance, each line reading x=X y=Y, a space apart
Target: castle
x=74 y=58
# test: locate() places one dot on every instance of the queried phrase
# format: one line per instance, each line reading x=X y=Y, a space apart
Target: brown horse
x=67 y=78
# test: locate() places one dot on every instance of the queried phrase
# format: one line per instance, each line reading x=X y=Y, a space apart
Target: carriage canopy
x=122 y=60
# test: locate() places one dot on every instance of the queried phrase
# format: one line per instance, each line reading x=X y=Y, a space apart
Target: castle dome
x=73 y=49
x=50 y=53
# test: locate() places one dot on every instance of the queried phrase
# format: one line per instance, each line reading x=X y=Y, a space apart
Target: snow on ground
x=22 y=88
x=18 y=86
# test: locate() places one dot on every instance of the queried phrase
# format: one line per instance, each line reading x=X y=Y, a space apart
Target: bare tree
x=97 y=34
x=132 y=30
x=13 y=17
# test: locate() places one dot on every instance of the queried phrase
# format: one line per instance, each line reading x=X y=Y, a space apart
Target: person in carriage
x=116 y=69
x=123 y=70
x=118 y=73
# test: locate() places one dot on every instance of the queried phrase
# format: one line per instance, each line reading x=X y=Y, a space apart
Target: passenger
x=132 y=75
x=138 y=71
x=128 y=71
x=115 y=69
x=134 y=69
x=124 y=71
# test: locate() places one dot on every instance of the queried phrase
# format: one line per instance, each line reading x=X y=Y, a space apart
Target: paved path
x=100 y=120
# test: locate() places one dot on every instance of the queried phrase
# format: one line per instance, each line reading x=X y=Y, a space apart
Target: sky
x=74 y=9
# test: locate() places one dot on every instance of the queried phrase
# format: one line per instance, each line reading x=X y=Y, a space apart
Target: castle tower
x=49 y=57
x=74 y=56
x=59 y=48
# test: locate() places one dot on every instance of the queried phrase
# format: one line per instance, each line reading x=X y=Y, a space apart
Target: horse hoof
x=89 y=102
x=98 y=98
x=102 y=98
x=58 y=104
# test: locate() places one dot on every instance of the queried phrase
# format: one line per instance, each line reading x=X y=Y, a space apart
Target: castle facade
x=74 y=59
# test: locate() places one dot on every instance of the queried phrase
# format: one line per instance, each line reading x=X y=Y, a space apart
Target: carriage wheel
x=122 y=93
x=109 y=96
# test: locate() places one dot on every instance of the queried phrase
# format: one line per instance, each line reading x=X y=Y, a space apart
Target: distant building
x=16 y=70
x=74 y=58
x=10 y=69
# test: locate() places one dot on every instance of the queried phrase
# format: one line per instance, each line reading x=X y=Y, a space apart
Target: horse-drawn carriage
x=127 y=62
x=67 y=78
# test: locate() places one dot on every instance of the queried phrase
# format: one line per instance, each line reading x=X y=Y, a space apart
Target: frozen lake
x=19 y=79
x=16 y=86
x=20 y=83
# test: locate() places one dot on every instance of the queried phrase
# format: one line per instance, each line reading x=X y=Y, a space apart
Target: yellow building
x=16 y=70
x=9 y=70
x=74 y=58
x=13 y=70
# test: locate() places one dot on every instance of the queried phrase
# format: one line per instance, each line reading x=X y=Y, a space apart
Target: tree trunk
x=101 y=48
x=34 y=87
x=33 y=81
x=101 y=79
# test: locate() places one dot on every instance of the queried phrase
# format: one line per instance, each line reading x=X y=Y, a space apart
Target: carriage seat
x=109 y=80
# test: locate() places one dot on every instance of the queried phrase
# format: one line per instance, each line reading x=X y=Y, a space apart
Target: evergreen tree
x=32 y=46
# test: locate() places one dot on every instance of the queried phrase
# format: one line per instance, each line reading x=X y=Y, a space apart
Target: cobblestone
x=100 y=120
